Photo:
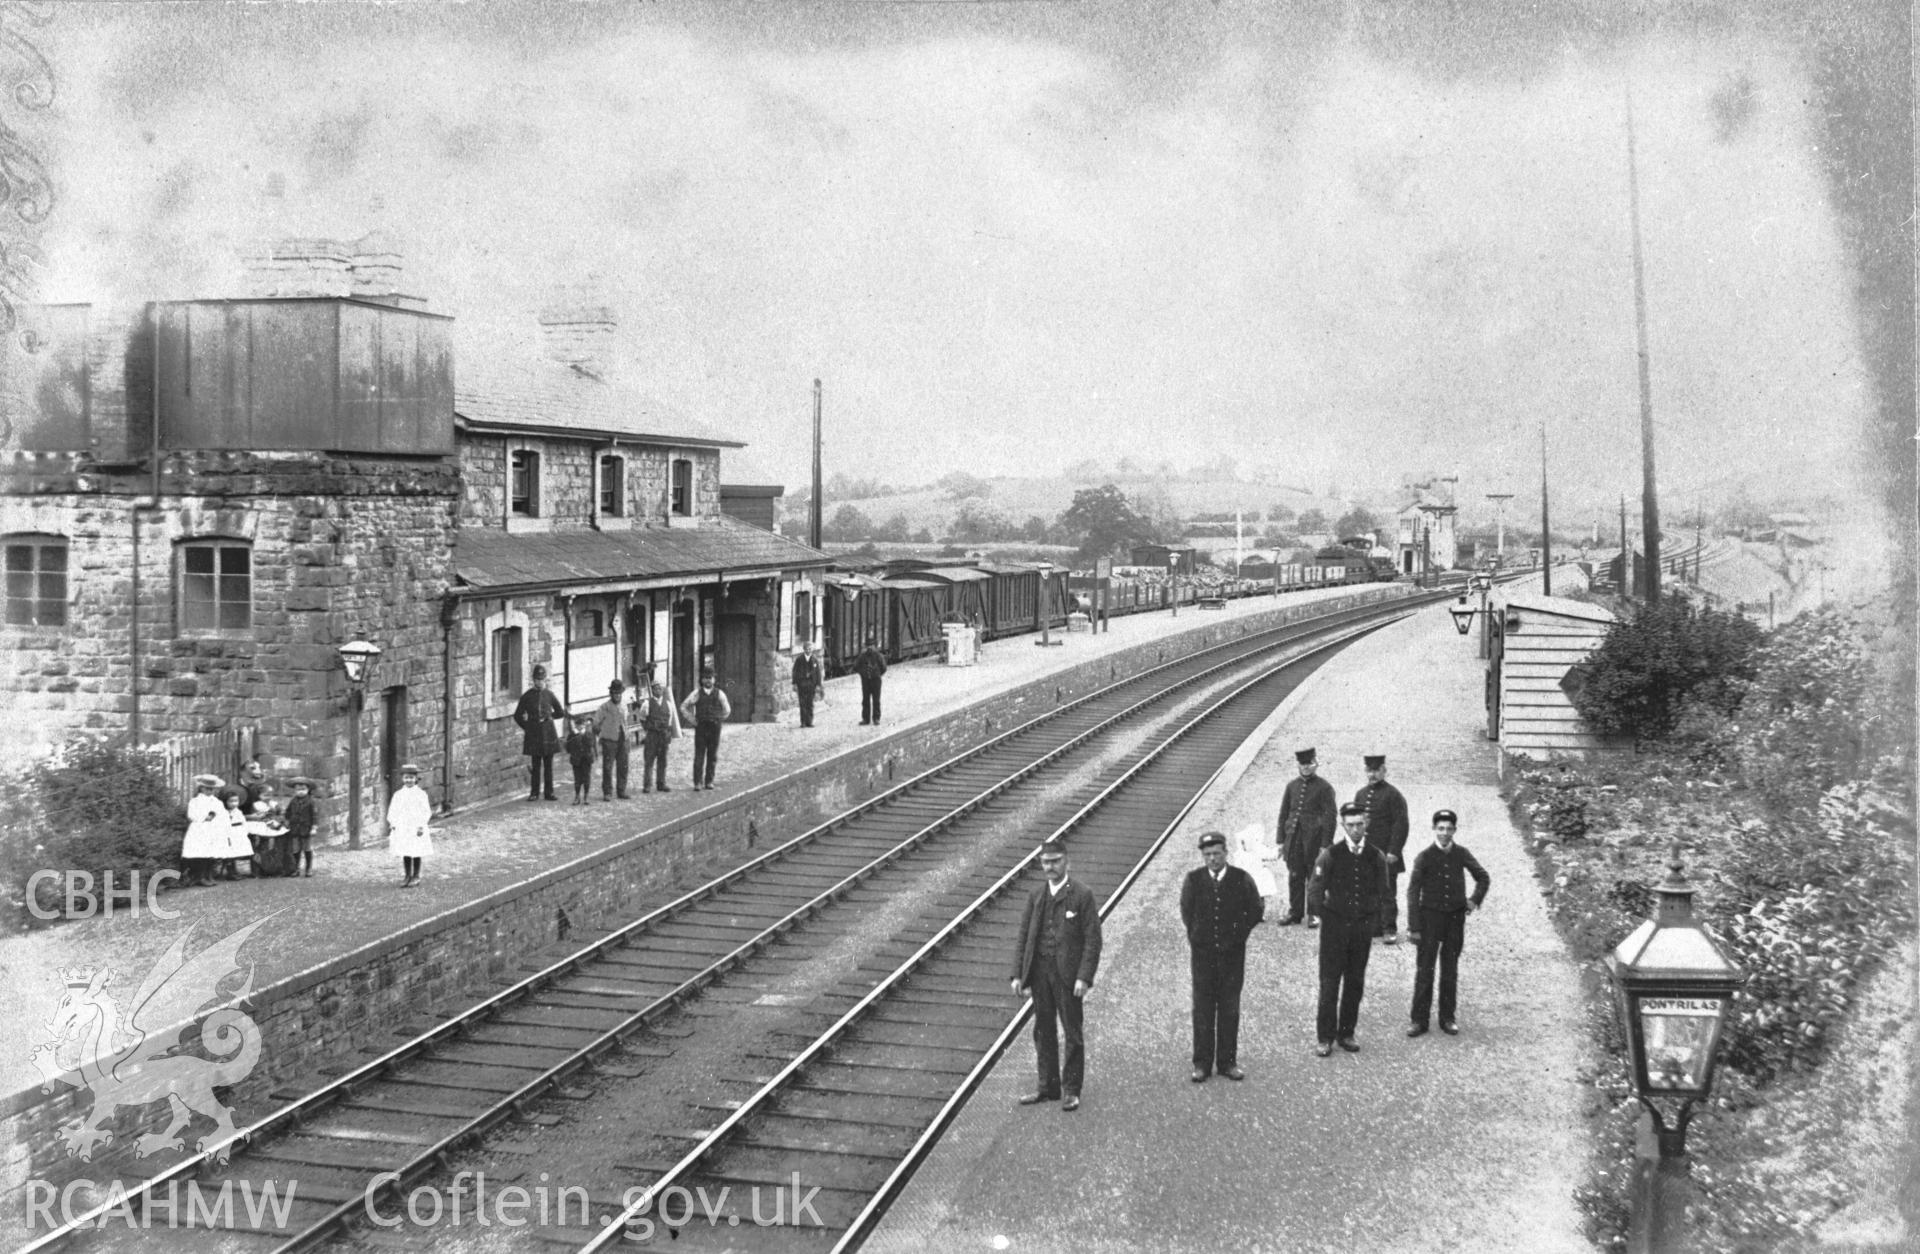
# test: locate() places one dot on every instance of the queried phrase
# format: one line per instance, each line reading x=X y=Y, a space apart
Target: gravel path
x=1465 y=1143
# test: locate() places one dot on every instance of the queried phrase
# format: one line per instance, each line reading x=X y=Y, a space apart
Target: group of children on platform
x=217 y=836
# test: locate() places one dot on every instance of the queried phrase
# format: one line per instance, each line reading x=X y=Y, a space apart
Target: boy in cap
x=1054 y=961
x=1219 y=906
x=299 y=836
x=1308 y=819
x=1437 y=910
x=610 y=728
x=408 y=836
x=1349 y=891
x=580 y=756
x=706 y=707
x=1387 y=828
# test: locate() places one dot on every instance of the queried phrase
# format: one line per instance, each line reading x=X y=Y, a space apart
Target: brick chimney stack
x=580 y=333
x=365 y=269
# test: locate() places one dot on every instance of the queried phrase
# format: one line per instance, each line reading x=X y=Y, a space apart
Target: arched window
x=36 y=581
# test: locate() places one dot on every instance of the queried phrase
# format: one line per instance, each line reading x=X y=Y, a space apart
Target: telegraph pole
x=1546 y=522
x=1626 y=559
x=1649 y=502
x=813 y=514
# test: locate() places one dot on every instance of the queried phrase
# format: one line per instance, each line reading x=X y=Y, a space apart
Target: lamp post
x=1673 y=987
x=1173 y=582
x=357 y=657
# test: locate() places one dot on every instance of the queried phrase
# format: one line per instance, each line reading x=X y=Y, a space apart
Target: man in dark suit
x=538 y=739
x=1220 y=906
x=1349 y=891
x=871 y=666
x=1054 y=961
x=1309 y=815
x=806 y=682
x=1437 y=910
x=1386 y=830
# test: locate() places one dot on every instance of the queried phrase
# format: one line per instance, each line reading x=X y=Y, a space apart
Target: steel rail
x=292 y=1117
x=398 y=1178
x=823 y=1043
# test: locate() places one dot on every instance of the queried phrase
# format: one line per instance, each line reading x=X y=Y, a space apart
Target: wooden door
x=733 y=662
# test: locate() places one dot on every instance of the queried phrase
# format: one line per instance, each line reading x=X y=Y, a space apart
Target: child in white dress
x=206 y=838
x=408 y=814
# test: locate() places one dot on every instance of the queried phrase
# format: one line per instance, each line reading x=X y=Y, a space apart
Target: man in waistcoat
x=871 y=665
x=1309 y=815
x=1054 y=961
x=1387 y=830
x=1348 y=891
x=659 y=727
x=706 y=707
x=1220 y=906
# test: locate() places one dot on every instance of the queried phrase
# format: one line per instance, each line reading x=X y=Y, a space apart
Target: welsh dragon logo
x=126 y=1060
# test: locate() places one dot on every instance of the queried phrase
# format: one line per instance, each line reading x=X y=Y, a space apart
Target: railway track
x=402 y=1117
x=854 y=1109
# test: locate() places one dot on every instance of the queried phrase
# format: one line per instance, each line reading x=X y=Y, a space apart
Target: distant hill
x=1023 y=498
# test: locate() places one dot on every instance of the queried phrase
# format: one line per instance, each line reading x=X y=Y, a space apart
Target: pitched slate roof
x=494 y=560
x=503 y=379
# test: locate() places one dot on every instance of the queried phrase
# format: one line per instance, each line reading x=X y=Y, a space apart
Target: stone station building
x=203 y=500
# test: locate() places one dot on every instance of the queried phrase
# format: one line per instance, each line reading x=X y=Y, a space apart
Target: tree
x=1100 y=520
x=959 y=485
x=1357 y=521
x=1312 y=522
x=847 y=523
x=1035 y=530
x=1651 y=669
x=895 y=529
x=978 y=523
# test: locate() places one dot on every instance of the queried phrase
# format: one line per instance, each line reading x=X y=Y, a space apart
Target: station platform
x=1468 y=1143
x=353 y=900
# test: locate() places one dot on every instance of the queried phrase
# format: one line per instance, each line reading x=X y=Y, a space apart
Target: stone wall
x=568 y=496
x=326 y=1016
x=341 y=547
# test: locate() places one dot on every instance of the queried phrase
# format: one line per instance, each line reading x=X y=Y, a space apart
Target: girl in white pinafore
x=408 y=814
x=206 y=838
x=1250 y=849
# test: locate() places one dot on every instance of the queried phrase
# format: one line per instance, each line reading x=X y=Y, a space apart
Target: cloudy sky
x=1352 y=242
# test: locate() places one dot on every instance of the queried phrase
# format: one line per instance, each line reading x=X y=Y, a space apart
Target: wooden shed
x=1536 y=644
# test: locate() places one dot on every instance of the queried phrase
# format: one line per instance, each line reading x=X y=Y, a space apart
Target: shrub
x=94 y=806
x=1809 y=715
x=1670 y=656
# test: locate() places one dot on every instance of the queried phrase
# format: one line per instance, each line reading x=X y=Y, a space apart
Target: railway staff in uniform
x=1437 y=910
x=1386 y=828
x=806 y=682
x=1349 y=891
x=539 y=740
x=1308 y=819
x=1219 y=906
x=870 y=665
x=706 y=707
x=1054 y=962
